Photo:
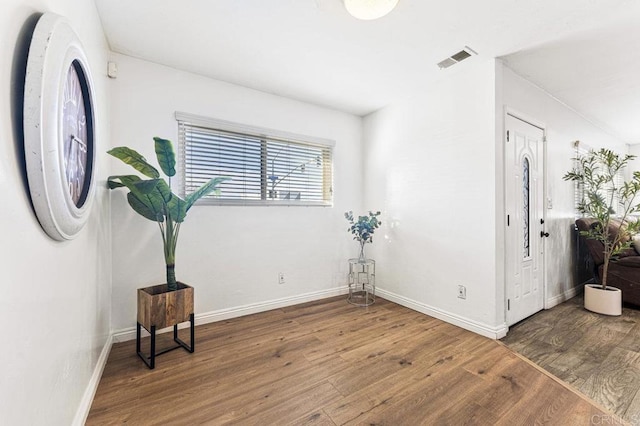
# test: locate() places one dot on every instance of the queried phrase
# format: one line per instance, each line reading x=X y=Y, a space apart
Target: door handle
x=544 y=234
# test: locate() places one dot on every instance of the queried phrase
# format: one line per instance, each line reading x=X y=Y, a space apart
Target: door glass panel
x=525 y=207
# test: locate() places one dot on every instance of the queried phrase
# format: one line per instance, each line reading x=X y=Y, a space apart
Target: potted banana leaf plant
x=167 y=304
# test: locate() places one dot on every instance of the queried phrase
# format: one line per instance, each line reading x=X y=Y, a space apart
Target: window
x=266 y=167
x=583 y=149
x=526 y=197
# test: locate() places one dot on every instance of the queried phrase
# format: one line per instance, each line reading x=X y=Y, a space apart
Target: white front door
x=524 y=171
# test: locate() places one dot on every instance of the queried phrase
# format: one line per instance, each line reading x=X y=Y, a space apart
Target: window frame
x=265 y=135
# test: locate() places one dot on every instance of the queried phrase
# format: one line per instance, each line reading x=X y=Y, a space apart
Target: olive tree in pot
x=167 y=304
x=605 y=199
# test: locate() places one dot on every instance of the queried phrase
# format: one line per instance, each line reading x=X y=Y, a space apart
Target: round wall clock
x=59 y=128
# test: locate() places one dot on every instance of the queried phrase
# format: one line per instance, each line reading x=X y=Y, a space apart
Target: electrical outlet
x=280 y=277
x=462 y=292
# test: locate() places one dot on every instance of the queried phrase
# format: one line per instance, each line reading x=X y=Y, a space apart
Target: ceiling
x=584 y=52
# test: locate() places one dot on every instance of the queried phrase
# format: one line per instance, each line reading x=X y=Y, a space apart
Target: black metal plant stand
x=150 y=360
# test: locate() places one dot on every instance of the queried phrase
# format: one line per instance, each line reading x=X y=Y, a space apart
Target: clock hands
x=83 y=145
x=75 y=139
x=74 y=163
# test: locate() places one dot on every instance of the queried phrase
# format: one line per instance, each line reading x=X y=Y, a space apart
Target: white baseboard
x=92 y=387
x=562 y=297
x=477 y=327
x=223 y=314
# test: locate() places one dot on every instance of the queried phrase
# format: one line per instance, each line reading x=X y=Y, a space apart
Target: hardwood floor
x=596 y=354
x=330 y=363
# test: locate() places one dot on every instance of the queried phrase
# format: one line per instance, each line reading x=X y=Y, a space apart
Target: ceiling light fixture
x=369 y=9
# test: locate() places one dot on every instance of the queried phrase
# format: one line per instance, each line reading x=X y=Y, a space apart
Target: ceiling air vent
x=457 y=57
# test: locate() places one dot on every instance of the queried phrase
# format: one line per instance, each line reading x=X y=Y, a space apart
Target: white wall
x=231 y=255
x=564 y=126
x=634 y=165
x=430 y=168
x=55 y=297
x=434 y=166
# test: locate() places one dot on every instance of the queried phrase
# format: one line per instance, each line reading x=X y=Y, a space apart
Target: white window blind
x=578 y=194
x=265 y=167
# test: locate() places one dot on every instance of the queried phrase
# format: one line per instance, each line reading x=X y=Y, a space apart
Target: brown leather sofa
x=624 y=271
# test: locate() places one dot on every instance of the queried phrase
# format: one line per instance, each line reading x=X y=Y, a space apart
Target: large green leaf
x=164 y=190
x=112 y=184
x=166 y=156
x=177 y=209
x=156 y=199
x=153 y=194
x=136 y=185
x=141 y=207
x=125 y=180
x=135 y=160
x=204 y=190
x=136 y=198
x=147 y=186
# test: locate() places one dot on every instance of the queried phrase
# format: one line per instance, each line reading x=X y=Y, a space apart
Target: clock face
x=77 y=134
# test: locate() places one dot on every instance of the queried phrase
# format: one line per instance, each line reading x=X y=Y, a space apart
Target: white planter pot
x=607 y=302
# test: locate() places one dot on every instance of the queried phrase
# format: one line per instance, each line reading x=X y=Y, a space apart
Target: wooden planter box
x=159 y=308
x=162 y=308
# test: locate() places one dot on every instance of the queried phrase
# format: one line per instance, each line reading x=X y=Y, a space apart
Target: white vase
x=607 y=302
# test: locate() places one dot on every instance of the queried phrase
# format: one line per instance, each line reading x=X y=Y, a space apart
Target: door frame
x=508 y=111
